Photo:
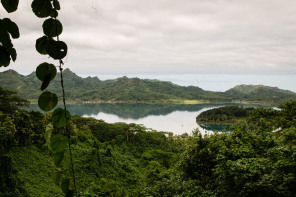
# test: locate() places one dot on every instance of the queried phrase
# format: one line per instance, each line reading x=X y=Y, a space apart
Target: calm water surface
x=177 y=122
x=178 y=119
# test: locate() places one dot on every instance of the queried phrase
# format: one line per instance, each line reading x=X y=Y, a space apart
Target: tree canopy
x=9 y=101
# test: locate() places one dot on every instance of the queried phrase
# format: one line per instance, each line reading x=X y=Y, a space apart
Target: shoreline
x=173 y=101
x=232 y=123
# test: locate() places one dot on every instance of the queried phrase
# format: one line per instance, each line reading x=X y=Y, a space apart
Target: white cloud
x=168 y=36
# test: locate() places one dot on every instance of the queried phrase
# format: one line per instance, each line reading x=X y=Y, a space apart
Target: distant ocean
x=217 y=82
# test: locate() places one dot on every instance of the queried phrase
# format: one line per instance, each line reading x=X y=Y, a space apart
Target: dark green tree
x=9 y=102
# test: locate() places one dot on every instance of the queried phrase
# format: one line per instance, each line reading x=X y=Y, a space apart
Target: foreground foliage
x=255 y=159
x=129 y=160
x=110 y=159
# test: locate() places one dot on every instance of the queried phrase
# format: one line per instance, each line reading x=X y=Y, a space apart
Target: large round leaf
x=41 y=43
x=47 y=101
x=41 y=8
x=10 y=5
x=45 y=72
x=46 y=69
x=58 y=117
x=56 y=49
x=11 y=27
x=58 y=143
x=52 y=27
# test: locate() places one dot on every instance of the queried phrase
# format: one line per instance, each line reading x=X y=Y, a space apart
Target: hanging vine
x=50 y=45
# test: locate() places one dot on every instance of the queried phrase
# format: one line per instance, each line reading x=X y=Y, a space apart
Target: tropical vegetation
x=225 y=115
x=39 y=152
x=254 y=159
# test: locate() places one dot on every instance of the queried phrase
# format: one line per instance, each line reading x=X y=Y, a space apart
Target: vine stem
x=65 y=109
x=67 y=127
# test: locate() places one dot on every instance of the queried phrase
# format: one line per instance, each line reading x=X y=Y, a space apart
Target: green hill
x=124 y=89
x=225 y=115
x=259 y=93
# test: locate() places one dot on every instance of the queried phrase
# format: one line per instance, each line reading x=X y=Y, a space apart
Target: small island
x=233 y=115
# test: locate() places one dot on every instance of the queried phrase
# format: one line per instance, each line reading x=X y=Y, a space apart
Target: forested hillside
x=258 y=93
x=125 y=89
x=125 y=160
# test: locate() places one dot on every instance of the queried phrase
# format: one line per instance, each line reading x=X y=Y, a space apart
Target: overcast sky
x=166 y=36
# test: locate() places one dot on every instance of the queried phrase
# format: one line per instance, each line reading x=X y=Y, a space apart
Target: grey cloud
x=170 y=36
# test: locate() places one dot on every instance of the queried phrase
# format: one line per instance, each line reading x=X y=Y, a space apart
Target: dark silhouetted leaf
x=47 y=101
x=4 y=57
x=45 y=72
x=58 y=143
x=41 y=43
x=56 y=4
x=41 y=8
x=46 y=69
x=11 y=27
x=45 y=82
x=54 y=13
x=10 y=5
x=56 y=49
x=52 y=27
x=4 y=36
x=58 y=117
x=13 y=54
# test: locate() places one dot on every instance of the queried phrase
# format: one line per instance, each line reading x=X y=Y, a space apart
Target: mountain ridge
x=251 y=87
x=124 y=89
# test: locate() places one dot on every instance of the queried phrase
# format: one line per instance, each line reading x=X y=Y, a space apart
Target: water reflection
x=131 y=111
x=215 y=127
x=162 y=117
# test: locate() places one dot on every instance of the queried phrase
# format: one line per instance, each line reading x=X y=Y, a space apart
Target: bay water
x=175 y=118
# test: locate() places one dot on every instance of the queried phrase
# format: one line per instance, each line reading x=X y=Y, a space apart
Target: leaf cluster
x=46 y=45
x=45 y=72
x=8 y=30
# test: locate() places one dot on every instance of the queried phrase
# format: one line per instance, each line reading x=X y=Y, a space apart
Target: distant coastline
x=180 y=102
x=210 y=82
x=136 y=90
